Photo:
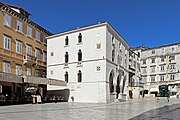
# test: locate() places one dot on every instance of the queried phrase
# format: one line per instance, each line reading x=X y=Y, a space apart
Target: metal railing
x=29 y=57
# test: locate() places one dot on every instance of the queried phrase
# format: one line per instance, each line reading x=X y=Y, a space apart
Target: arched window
x=66 y=77
x=138 y=54
x=66 y=57
x=79 y=55
x=79 y=38
x=79 y=76
x=111 y=86
x=66 y=40
x=113 y=52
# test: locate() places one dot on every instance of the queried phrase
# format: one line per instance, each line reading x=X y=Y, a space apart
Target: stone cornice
x=7 y=9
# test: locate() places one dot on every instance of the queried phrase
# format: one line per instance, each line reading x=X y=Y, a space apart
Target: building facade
x=159 y=66
x=136 y=86
x=93 y=60
x=23 y=51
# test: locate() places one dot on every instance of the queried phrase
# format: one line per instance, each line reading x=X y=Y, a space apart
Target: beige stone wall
x=13 y=57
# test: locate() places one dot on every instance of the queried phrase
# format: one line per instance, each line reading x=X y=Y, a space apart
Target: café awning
x=56 y=82
x=31 y=90
x=35 y=80
x=45 y=81
x=55 y=87
x=7 y=77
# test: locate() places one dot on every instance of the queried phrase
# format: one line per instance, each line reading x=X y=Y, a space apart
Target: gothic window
x=138 y=54
x=79 y=76
x=113 y=52
x=66 y=57
x=79 y=38
x=79 y=55
x=66 y=40
x=112 y=39
x=66 y=77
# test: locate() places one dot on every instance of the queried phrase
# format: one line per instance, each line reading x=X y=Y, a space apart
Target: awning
x=55 y=87
x=36 y=80
x=31 y=90
x=56 y=82
x=7 y=77
x=45 y=81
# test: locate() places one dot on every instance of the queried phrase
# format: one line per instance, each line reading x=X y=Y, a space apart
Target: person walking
x=168 y=96
x=72 y=98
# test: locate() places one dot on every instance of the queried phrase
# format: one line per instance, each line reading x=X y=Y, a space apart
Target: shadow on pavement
x=164 y=113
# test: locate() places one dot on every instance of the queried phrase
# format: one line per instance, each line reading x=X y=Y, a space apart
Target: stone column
x=121 y=89
x=114 y=93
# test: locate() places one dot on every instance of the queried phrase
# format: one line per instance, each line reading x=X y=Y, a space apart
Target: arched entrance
x=111 y=86
x=118 y=87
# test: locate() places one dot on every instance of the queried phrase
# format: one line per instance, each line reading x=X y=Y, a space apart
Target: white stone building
x=93 y=60
x=161 y=65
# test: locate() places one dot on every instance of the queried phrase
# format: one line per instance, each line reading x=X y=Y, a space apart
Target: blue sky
x=140 y=22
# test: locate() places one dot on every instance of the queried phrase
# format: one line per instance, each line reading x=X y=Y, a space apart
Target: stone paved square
x=137 y=109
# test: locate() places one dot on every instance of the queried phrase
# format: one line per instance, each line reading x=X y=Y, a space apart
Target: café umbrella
x=31 y=90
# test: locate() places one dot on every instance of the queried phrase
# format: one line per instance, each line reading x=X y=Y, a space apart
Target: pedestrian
x=39 y=100
x=72 y=98
x=168 y=96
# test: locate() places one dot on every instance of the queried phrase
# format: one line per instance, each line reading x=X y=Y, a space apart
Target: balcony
x=29 y=59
